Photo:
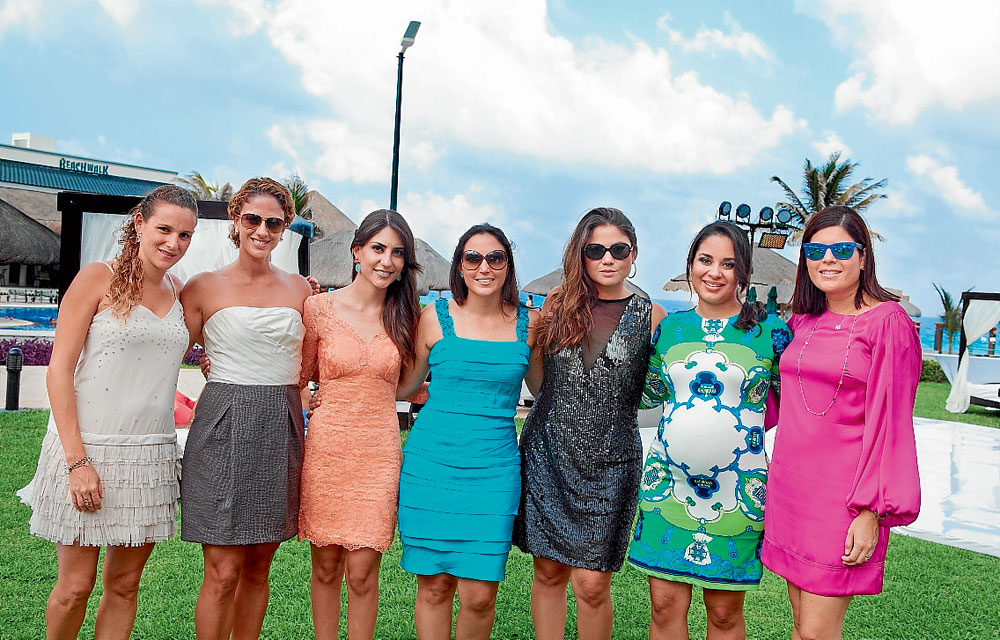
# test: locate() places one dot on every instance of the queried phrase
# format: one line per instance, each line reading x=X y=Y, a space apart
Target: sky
x=527 y=113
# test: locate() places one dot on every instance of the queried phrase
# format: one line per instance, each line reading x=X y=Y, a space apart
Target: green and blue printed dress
x=701 y=496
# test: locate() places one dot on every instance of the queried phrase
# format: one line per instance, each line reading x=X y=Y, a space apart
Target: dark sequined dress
x=581 y=456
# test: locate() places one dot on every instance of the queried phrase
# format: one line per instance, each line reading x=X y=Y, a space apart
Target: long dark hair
x=571 y=318
x=401 y=309
x=125 y=289
x=808 y=298
x=460 y=291
x=751 y=312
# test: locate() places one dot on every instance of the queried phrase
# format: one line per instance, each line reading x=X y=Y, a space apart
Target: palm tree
x=204 y=189
x=300 y=195
x=952 y=316
x=827 y=185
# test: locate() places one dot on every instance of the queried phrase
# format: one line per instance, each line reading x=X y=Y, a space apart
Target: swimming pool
x=28 y=318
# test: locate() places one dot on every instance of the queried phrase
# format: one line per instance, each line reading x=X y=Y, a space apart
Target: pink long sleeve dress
x=860 y=454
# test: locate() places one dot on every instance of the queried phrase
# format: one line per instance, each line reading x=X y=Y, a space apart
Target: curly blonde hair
x=255 y=187
x=125 y=290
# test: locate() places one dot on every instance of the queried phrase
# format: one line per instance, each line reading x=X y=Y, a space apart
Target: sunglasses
x=619 y=250
x=496 y=259
x=251 y=221
x=840 y=250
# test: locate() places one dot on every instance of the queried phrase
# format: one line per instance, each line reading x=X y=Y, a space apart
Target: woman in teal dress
x=460 y=483
x=701 y=500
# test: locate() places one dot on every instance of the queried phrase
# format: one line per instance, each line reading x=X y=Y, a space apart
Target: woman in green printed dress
x=701 y=501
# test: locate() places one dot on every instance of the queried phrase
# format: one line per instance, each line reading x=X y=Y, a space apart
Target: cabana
x=24 y=240
x=332 y=263
x=542 y=286
x=980 y=313
x=90 y=233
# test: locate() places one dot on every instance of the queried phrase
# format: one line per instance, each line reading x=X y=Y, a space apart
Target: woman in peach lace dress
x=357 y=339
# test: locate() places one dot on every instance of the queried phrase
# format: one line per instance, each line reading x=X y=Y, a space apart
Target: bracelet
x=85 y=461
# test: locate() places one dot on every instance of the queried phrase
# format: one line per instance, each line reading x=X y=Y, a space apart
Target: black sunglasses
x=619 y=250
x=496 y=259
x=251 y=221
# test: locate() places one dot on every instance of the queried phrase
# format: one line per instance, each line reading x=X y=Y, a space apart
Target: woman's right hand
x=206 y=366
x=314 y=403
x=85 y=488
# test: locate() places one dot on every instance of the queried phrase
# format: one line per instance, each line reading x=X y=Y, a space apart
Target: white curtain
x=980 y=317
x=210 y=246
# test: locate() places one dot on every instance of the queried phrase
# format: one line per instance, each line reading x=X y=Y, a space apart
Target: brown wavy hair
x=460 y=290
x=401 y=310
x=807 y=297
x=255 y=187
x=125 y=289
x=570 y=319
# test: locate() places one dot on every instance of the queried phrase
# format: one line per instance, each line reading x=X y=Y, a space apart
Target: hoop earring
x=634 y=271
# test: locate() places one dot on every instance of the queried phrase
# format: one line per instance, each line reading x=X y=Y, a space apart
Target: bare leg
x=432 y=611
x=213 y=613
x=327 y=576
x=122 y=570
x=794 y=595
x=820 y=617
x=725 y=614
x=362 y=593
x=253 y=591
x=67 y=605
x=477 y=602
x=594 y=611
x=548 y=599
x=670 y=602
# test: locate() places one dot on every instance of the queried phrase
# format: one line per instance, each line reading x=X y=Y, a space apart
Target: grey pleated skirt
x=242 y=464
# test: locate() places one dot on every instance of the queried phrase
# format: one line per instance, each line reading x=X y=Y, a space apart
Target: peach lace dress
x=350 y=475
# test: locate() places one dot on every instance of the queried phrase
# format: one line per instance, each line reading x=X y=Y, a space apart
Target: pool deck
x=959 y=469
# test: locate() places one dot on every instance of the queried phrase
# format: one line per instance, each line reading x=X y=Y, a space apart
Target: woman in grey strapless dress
x=243 y=458
x=581 y=455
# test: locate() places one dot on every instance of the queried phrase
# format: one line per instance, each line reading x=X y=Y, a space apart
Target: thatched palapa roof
x=39 y=205
x=331 y=263
x=542 y=286
x=326 y=215
x=769 y=268
x=24 y=240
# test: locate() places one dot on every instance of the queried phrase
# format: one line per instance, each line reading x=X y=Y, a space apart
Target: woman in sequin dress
x=581 y=454
x=111 y=382
x=701 y=501
x=356 y=340
x=460 y=481
x=243 y=457
x=844 y=468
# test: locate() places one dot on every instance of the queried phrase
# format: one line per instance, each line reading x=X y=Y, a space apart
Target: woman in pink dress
x=356 y=340
x=844 y=467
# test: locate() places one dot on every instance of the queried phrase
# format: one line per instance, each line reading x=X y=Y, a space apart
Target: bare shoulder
x=91 y=281
x=658 y=313
x=198 y=283
x=534 y=317
x=299 y=282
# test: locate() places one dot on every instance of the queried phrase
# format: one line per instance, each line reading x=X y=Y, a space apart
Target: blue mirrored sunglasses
x=840 y=250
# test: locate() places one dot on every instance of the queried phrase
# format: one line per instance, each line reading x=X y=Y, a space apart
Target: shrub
x=37 y=351
x=932 y=372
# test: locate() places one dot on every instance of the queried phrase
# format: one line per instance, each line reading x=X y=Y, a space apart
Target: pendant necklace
x=843 y=371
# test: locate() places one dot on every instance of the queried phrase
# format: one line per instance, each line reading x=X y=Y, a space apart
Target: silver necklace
x=843 y=371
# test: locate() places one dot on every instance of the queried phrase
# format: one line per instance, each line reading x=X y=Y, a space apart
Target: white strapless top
x=254 y=345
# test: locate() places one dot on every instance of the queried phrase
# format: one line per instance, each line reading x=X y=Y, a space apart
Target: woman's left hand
x=313 y=284
x=862 y=536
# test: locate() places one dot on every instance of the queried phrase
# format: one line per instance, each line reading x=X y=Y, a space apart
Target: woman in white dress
x=243 y=457
x=107 y=473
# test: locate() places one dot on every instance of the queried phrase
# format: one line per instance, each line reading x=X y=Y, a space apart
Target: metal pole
x=395 y=137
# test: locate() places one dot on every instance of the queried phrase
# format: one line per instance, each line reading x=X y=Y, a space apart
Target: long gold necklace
x=843 y=371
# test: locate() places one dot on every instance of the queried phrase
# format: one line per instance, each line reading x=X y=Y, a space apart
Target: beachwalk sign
x=86 y=167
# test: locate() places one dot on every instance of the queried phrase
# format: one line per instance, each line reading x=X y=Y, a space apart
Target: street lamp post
x=407 y=42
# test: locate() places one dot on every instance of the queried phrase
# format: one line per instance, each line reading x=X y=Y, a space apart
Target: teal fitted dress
x=460 y=484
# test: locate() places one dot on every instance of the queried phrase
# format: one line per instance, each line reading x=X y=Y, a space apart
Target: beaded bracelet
x=85 y=461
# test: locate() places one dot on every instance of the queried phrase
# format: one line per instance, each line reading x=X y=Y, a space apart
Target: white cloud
x=895 y=205
x=832 y=144
x=18 y=12
x=949 y=186
x=441 y=220
x=915 y=56
x=121 y=11
x=517 y=89
x=712 y=41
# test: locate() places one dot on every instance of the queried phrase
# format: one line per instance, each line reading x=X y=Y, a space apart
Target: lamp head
x=410 y=35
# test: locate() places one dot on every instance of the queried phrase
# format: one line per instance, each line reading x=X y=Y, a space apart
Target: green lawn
x=930 y=404
x=932 y=592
